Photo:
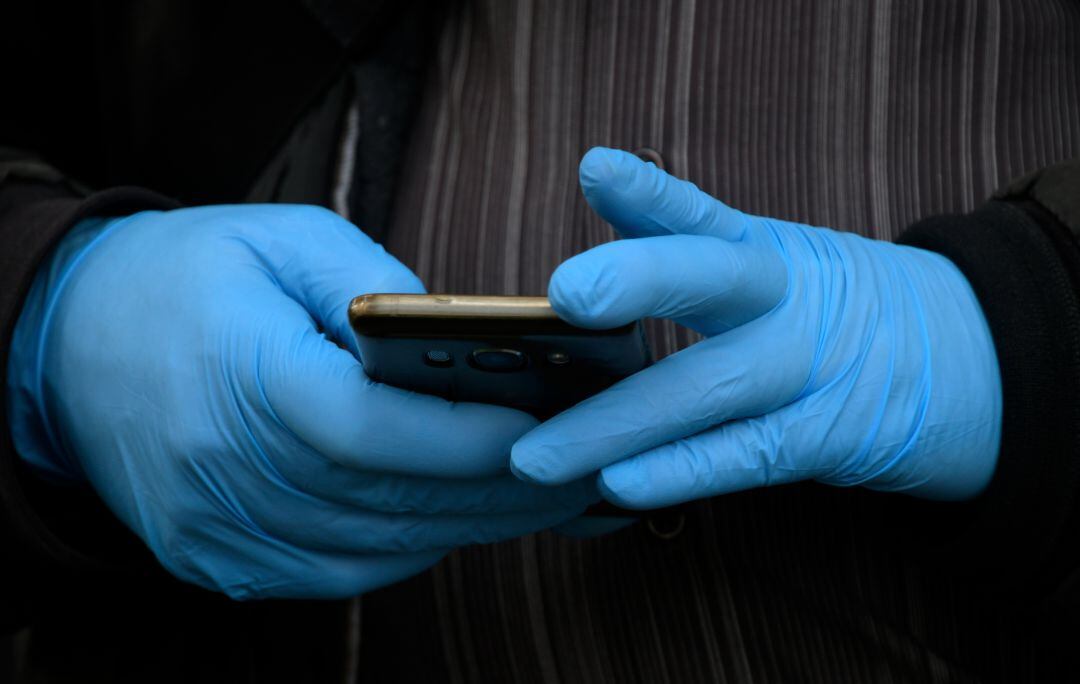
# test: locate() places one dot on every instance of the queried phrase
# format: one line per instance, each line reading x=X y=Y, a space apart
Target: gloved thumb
x=322 y=261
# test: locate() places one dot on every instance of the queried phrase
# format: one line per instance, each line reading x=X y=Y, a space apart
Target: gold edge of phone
x=451 y=306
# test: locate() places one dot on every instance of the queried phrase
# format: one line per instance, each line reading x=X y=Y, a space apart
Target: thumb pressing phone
x=513 y=351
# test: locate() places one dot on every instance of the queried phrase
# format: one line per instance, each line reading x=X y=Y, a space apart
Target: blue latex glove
x=175 y=361
x=828 y=356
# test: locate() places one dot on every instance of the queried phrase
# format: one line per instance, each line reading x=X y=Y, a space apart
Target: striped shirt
x=862 y=116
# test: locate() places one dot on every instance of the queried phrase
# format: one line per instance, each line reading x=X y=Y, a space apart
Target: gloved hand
x=828 y=356
x=176 y=361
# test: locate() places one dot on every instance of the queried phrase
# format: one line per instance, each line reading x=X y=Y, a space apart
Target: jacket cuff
x=1025 y=270
x=47 y=529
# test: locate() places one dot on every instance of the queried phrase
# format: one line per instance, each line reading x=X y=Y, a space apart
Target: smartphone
x=512 y=351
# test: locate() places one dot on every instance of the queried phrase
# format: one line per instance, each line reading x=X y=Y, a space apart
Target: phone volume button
x=498 y=360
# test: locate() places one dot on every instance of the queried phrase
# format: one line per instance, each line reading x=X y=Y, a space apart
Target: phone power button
x=498 y=360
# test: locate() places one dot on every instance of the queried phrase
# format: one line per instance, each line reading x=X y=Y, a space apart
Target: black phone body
x=512 y=351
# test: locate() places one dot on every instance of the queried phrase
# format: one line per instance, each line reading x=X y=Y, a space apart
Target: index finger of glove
x=321 y=394
x=745 y=372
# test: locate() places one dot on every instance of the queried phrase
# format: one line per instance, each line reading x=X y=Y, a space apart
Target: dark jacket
x=200 y=103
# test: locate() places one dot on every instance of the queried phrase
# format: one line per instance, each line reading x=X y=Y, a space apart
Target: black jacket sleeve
x=51 y=536
x=1019 y=252
x=129 y=94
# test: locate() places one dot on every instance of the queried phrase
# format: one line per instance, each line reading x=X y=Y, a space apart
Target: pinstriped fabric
x=858 y=115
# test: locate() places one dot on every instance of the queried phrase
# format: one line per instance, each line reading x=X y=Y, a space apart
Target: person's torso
x=859 y=116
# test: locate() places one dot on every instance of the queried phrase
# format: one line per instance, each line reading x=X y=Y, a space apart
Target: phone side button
x=439 y=358
x=498 y=360
x=558 y=358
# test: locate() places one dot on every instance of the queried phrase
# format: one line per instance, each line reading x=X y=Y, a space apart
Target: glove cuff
x=35 y=441
x=1025 y=270
x=51 y=534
